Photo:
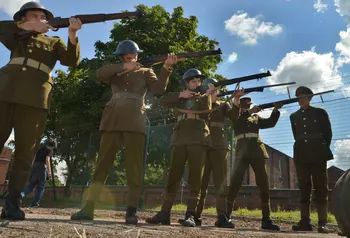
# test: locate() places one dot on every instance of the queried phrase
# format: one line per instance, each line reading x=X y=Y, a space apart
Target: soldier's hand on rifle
x=131 y=66
x=37 y=26
x=255 y=109
x=211 y=89
x=74 y=24
x=171 y=60
x=186 y=94
x=277 y=106
x=238 y=94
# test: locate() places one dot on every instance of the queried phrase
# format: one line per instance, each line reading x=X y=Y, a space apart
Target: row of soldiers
x=198 y=137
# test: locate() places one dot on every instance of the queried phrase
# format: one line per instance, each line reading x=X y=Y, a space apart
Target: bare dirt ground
x=48 y=222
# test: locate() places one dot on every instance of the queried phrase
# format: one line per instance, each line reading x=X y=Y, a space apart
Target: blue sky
x=297 y=40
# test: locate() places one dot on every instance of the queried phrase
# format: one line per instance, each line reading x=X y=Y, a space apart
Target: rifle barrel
x=292 y=100
x=254 y=89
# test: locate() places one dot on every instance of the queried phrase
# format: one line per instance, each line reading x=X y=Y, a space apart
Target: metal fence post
x=145 y=161
x=53 y=180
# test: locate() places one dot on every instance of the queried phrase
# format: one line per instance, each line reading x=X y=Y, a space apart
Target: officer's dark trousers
x=134 y=144
x=29 y=125
x=239 y=168
x=195 y=157
x=313 y=173
x=216 y=164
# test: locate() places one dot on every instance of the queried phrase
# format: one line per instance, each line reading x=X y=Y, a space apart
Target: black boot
x=267 y=224
x=303 y=225
x=11 y=209
x=160 y=218
x=224 y=222
x=197 y=220
x=86 y=213
x=189 y=220
x=130 y=216
x=322 y=228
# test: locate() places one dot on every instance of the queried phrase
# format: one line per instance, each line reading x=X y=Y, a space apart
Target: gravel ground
x=47 y=222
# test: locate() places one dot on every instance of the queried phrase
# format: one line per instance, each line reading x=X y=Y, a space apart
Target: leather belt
x=188 y=116
x=310 y=136
x=247 y=135
x=216 y=124
x=126 y=95
x=31 y=63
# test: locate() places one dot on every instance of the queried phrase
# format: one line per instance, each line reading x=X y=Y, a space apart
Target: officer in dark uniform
x=313 y=135
x=25 y=88
x=250 y=150
x=40 y=171
x=123 y=122
x=189 y=142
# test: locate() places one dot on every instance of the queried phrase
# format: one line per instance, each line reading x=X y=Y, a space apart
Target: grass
x=278 y=215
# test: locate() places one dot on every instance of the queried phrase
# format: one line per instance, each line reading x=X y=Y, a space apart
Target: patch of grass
x=278 y=215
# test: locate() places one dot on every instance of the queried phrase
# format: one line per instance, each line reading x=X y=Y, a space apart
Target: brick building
x=280 y=170
x=334 y=173
x=5 y=157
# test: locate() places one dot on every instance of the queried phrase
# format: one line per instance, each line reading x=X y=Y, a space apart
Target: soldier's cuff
x=70 y=44
x=169 y=69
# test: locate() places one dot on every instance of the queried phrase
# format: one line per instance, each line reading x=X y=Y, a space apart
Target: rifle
x=149 y=61
x=59 y=22
x=292 y=100
x=206 y=85
x=254 y=89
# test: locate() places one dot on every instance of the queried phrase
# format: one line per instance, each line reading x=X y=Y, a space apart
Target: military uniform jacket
x=187 y=131
x=313 y=135
x=221 y=110
x=26 y=85
x=126 y=110
x=252 y=148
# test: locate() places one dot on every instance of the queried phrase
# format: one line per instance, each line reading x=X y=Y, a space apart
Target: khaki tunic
x=313 y=135
x=126 y=110
x=247 y=123
x=187 y=131
x=24 y=85
x=221 y=111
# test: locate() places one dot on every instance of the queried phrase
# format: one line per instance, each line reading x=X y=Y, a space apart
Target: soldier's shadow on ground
x=87 y=223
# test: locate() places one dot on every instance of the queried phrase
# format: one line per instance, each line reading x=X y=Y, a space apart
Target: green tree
x=74 y=118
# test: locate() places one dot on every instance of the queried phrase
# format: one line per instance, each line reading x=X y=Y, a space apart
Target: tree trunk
x=68 y=186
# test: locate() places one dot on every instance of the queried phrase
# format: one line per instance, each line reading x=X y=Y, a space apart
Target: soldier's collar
x=307 y=109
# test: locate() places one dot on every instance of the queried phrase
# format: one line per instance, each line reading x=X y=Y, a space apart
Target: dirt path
x=43 y=222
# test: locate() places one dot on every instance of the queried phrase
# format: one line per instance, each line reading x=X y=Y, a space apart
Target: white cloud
x=266 y=113
x=343 y=7
x=233 y=57
x=320 y=6
x=10 y=7
x=316 y=71
x=343 y=48
x=342 y=154
x=250 y=29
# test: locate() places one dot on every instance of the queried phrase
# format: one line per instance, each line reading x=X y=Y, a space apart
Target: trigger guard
x=56 y=29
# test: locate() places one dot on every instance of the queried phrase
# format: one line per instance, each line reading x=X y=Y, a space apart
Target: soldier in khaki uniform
x=313 y=135
x=124 y=123
x=216 y=161
x=25 y=87
x=250 y=150
x=189 y=142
